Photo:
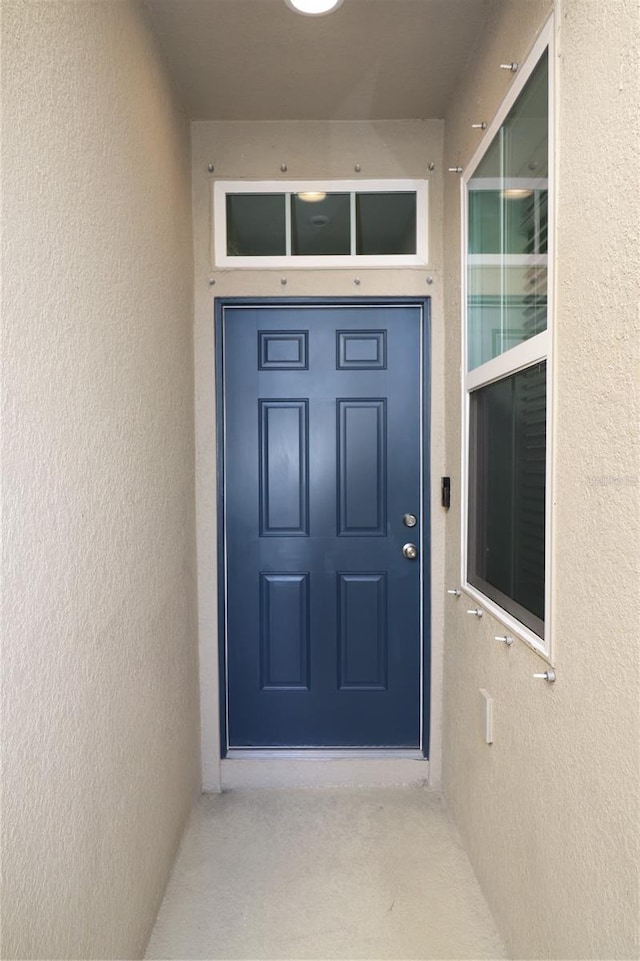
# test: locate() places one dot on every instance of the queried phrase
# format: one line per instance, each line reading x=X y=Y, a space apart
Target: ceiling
x=370 y=60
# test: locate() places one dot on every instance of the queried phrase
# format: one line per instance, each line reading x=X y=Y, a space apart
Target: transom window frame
x=291 y=187
x=537 y=349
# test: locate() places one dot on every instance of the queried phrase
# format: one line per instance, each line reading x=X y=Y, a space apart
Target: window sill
x=515 y=628
x=348 y=261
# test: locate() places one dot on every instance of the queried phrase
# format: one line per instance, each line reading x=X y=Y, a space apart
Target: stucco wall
x=310 y=151
x=549 y=812
x=99 y=658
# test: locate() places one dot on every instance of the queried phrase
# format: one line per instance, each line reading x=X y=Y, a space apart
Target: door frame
x=424 y=304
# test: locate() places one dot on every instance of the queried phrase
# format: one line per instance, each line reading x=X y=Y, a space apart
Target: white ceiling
x=370 y=60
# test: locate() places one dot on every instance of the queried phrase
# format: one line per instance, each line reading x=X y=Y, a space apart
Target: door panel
x=362 y=467
x=284 y=632
x=284 y=459
x=362 y=631
x=322 y=453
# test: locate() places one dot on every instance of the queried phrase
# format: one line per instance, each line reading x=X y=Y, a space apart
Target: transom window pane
x=386 y=223
x=321 y=227
x=255 y=225
x=507 y=229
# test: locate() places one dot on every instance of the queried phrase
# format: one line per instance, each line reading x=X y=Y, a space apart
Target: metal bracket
x=549 y=676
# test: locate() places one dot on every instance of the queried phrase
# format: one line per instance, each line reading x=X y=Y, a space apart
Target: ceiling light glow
x=313 y=8
x=517 y=193
x=312 y=196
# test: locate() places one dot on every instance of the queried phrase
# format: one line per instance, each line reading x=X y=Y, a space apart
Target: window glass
x=507 y=470
x=309 y=224
x=386 y=223
x=321 y=227
x=256 y=225
x=507 y=229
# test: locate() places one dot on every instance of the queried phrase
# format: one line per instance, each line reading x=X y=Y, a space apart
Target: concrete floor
x=367 y=873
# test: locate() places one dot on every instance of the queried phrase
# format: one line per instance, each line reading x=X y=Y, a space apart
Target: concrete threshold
x=323 y=769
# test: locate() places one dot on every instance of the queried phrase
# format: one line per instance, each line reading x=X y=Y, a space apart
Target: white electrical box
x=486 y=717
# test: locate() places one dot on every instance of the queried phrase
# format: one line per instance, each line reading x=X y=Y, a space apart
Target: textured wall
x=549 y=812
x=99 y=654
x=238 y=151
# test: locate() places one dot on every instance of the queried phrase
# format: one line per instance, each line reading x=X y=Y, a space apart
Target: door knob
x=410 y=551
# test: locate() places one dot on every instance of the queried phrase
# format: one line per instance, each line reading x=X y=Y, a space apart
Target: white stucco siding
x=549 y=812
x=99 y=656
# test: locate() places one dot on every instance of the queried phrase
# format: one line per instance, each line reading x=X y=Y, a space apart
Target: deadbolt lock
x=409 y=520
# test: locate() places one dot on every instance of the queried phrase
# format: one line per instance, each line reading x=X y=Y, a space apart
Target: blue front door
x=323 y=459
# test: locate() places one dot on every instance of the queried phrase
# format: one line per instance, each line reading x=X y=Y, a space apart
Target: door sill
x=322 y=754
x=300 y=769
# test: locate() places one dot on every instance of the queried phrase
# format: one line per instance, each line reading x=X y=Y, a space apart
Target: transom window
x=312 y=223
x=508 y=221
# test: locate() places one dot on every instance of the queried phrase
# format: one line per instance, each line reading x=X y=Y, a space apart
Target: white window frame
x=287 y=187
x=534 y=350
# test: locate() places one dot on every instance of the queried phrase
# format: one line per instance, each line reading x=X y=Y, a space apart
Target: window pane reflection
x=507 y=229
x=507 y=493
x=386 y=223
x=321 y=228
x=256 y=225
